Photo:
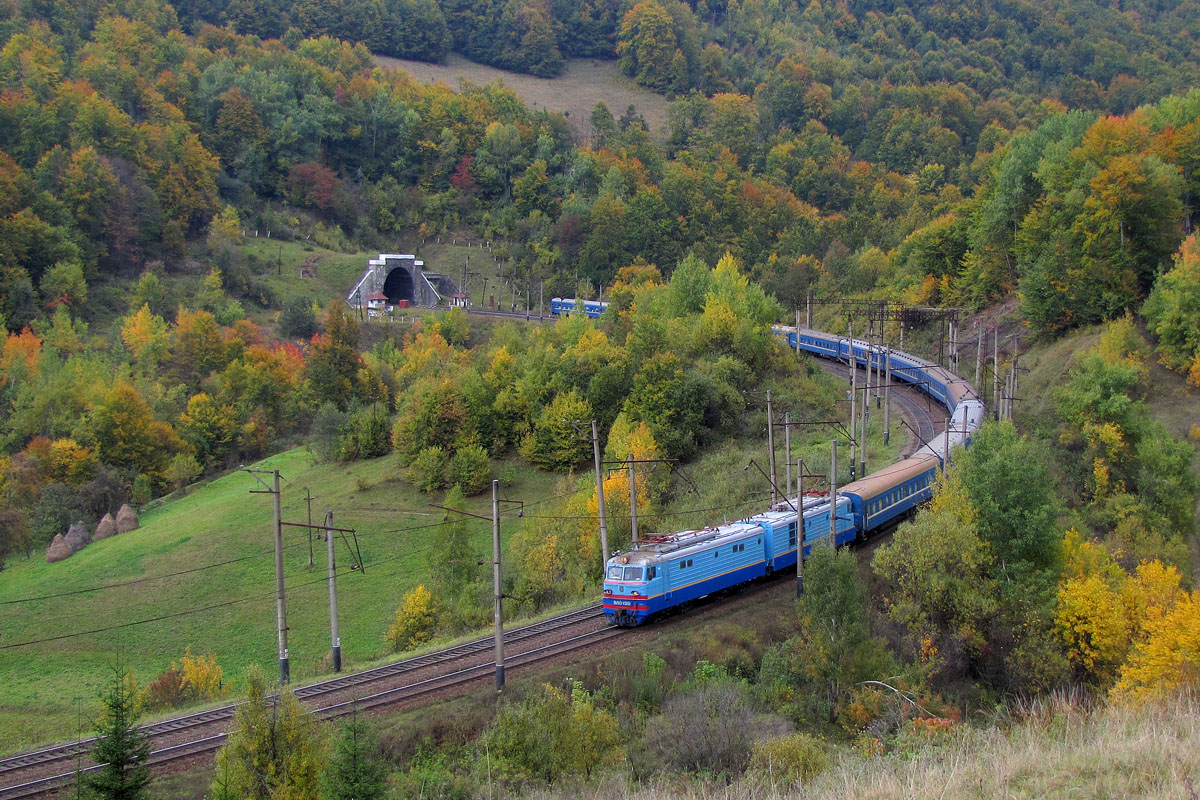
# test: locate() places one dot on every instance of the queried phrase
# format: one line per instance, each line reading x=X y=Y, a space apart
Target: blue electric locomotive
x=666 y=571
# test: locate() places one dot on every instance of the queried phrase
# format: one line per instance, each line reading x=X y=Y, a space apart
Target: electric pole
x=335 y=637
x=946 y=445
x=633 y=501
x=853 y=362
x=308 y=498
x=833 y=496
x=499 y=611
x=799 y=527
x=280 y=600
x=887 y=396
x=771 y=448
x=600 y=494
x=996 y=373
x=787 y=449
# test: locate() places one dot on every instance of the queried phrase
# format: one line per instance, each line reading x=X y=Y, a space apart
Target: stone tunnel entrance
x=399 y=286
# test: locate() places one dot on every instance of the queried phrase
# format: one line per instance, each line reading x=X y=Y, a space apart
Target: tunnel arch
x=399 y=286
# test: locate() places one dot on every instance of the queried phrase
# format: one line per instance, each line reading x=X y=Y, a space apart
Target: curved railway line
x=42 y=772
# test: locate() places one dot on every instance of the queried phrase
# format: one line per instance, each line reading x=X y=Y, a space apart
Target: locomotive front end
x=628 y=585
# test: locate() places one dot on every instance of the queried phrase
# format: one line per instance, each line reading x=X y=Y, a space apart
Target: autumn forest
x=1031 y=160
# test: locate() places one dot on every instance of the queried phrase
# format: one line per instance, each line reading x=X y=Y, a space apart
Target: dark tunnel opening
x=398 y=286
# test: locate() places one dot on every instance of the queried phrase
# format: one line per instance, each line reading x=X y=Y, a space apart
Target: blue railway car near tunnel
x=569 y=305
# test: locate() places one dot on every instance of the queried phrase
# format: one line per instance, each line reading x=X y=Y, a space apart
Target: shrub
x=709 y=729
x=298 y=320
x=365 y=434
x=471 y=469
x=550 y=735
x=141 y=492
x=183 y=469
x=428 y=471
x=193 y=679
x=789 y=760
x=167 y=690
x=415 y=620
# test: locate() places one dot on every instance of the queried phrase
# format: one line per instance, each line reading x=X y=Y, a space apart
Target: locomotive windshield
x=617 y=573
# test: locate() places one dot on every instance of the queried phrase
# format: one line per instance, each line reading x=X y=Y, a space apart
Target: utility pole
x=280 y=601
x=833 y=496
x=862 y=430
x=978 y=359
x=308 y=499
x=787 y=450
x=499 y=611
x=808 y=313
x=797 y=333
x=946 y=445
x=335 y=637
x=887 y=396
x=996 y=373
x=600 y=494
x=799 y=527
x=633 y=501
x=853 y=361
x=771 y=448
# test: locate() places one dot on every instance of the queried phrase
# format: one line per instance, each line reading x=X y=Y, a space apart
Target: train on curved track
x=666 y=571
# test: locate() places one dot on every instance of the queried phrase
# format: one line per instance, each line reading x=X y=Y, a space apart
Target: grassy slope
x=583 y=83
x=1171 y=401
x=334 y=274
x=1056 y=751
x=217 y=522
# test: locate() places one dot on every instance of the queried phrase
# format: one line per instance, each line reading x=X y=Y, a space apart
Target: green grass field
x=218 y=522
x=299 y=269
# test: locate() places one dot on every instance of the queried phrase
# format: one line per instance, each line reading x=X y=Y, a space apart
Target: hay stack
x=127 y=519
x=59 y=549
x=106 y=528
x=78 y=537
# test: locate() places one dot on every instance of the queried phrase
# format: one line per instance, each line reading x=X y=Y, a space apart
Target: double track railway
x=40 y=772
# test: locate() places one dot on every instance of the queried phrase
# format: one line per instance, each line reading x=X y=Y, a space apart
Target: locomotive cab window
x=614 y=573
x=651 y=573
x=633 y=573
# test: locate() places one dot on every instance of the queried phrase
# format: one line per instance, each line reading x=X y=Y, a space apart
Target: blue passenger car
x=569 y=305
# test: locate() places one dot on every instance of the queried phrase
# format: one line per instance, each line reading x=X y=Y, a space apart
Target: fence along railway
x=40 y=772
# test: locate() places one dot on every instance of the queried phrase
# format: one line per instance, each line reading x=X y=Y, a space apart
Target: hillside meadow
x=217 y=522
x=583 y=83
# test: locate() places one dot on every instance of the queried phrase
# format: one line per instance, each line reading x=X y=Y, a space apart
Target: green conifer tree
x=121 y=749
x=356 y=771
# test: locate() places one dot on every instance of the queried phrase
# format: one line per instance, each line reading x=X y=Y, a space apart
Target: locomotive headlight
x=637 y=594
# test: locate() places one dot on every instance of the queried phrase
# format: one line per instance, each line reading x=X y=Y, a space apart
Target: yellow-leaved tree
x=1169 y=658
x=415 y=621
x=1107 y=616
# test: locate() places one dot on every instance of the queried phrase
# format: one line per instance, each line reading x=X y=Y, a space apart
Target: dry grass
x=1057 y=751
x=583 y=83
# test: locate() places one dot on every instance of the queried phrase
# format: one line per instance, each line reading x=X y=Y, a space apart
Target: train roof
x=658 y=547
x=880 y=481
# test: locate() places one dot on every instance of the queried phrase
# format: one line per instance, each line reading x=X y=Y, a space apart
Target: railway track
x=914 y=404
x=15 y=771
